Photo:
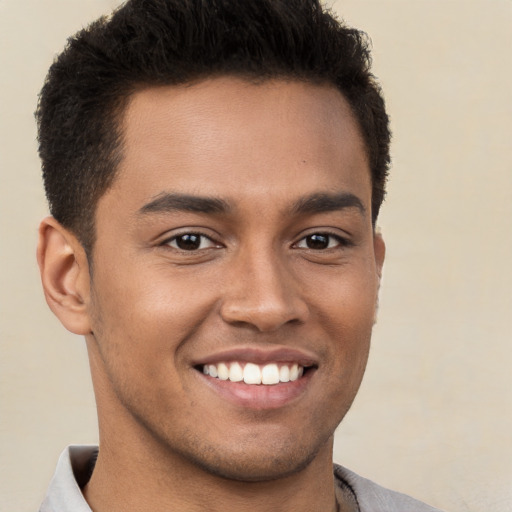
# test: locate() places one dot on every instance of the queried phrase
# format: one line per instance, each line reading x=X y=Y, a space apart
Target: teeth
x=236 y=374
x=270 y=374
x=284 y=374
x=254 y=374
x=223 y=371
x=212 y=370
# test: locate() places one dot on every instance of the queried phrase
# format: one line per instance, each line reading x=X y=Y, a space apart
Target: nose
x=263 y=293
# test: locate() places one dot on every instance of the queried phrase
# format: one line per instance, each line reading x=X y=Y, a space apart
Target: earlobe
x=65 y=275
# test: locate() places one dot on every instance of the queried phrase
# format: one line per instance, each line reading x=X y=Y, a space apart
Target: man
x=214 y=171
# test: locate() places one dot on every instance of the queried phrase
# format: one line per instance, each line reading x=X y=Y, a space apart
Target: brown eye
x=320 y=241
x=317 y=241
x=191 y=242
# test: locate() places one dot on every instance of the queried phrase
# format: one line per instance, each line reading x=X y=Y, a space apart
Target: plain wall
x=434 y=414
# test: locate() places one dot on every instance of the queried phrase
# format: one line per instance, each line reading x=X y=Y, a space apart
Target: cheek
x=348 y=298
x=140 y=318
x=346 y=311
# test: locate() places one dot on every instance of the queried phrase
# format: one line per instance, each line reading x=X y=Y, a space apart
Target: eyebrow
x=326 y=202
x=315 y=203
x=172 y=202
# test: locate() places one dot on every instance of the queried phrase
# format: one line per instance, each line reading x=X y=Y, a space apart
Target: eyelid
x=343 y=241
x=189 y=231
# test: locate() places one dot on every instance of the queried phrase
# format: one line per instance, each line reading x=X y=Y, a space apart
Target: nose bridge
x=262 y=290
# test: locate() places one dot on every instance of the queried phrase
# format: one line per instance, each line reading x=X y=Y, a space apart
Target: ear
x=65 y=275
x=379 y=249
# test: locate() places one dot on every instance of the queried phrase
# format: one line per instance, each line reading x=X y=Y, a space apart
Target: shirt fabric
x=77 y=462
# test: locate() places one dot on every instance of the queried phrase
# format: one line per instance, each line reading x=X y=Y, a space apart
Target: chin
x=260 y=469
x=257 y=460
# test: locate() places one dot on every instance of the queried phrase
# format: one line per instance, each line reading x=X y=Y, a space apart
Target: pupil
x=188 y=242
x=317 y=241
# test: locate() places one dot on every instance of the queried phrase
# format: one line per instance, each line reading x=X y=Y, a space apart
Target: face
x=235 y=275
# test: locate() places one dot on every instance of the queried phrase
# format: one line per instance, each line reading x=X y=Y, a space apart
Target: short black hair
x=171 y=42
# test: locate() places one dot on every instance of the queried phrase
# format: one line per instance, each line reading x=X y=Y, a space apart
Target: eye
x=320 y=241
x=191 y=242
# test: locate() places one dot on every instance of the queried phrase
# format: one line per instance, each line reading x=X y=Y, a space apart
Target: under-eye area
x=267 y=374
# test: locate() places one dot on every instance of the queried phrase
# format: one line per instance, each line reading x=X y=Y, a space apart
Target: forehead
x=237 y=140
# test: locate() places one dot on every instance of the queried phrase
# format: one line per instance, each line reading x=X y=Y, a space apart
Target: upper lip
x=259 y=355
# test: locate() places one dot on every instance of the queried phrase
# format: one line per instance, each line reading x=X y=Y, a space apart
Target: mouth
x=268 y=374
x=258 y=379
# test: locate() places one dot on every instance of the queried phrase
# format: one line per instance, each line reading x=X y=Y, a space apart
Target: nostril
x=263 y=319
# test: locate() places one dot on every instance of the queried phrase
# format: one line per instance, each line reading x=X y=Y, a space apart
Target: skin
x=151 y=311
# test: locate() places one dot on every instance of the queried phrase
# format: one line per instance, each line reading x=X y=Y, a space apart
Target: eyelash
x=168 y=242
x=340 y=241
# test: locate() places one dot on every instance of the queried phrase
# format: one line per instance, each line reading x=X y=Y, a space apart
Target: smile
x=258 y=378
x=255 y=374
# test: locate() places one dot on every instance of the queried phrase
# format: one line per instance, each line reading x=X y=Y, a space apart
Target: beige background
x=434 y=415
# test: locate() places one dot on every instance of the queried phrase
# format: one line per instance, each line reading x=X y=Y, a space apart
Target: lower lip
x=259 y=397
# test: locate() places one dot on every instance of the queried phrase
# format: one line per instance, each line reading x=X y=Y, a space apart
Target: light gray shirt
x=76 y=463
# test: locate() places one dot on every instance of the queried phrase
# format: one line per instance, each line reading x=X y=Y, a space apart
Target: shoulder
x=371 y=497
x=73 y=470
